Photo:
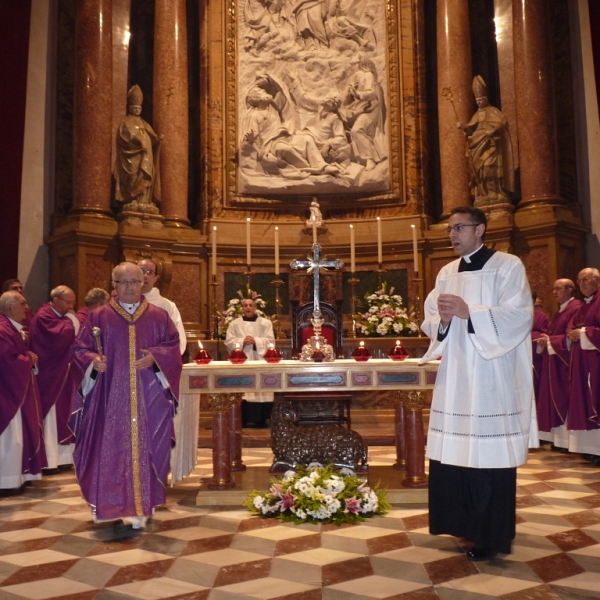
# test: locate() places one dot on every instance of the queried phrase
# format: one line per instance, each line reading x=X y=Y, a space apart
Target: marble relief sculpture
x=311 y=97
x=489 y=151
x=315 y=217
x=136 y=168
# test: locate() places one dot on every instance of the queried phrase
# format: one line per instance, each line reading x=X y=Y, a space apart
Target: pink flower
x=276 y=489
x=286 y=500
x=352 y=505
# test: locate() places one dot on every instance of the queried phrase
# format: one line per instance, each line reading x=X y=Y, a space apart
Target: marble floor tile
x=375 y=586
x=155 y=589
x=48 y=588
x=490 y=585
x=129 y=557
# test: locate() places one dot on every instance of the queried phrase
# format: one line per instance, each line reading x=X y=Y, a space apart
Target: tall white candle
x=276 y=250
x=314 y=228
x=415 y=249
x=214 y=250
x=379 y=242
x=248 y=250
x=352 y=251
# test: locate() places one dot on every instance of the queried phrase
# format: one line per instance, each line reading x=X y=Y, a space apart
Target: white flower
x=289 y=475
x=258 y=501
x=381 y=329
x=345 y=471
x=300 y=514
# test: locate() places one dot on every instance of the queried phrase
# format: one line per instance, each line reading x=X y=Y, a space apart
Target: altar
x=225 y=384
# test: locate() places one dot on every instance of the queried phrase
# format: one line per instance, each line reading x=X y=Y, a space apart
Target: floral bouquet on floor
x=318 y=494
x=234 y=308
x=385 y=316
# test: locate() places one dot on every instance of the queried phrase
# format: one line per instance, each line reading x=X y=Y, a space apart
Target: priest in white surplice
x=482 y=421
x=253 y=334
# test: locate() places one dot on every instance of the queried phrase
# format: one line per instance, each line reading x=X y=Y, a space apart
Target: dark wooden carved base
x=293 y=445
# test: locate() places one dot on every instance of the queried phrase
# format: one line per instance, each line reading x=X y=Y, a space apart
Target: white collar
x=564 y=304
x=467 y=257
x=130 y=308
x=17 y=326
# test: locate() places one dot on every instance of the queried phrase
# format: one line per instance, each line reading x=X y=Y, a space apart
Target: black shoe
x=596 y=461
x=50 y=471
x=7 y=492
x=122 y=529
x=65 y=467
x=479 y=554
x=558 y=449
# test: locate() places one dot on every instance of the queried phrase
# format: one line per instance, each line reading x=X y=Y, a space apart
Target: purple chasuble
x=83 y=314
x=51 y=337
x=584 y=395
x=540 y=325
x=19 y=390
x=125 y=431
x=553 y=399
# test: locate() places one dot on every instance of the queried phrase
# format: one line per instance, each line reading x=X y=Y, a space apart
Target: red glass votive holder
x=272 y=355
x=397 y=352
x=318 y=356
x=202 y=357
x=238 y=357
x=361 y=354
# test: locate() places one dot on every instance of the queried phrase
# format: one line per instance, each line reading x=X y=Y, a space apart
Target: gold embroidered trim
x=141 y=309
x=135 y=450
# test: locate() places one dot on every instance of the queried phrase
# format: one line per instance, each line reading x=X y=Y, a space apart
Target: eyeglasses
x=458 y=227
x=128 y=282
x=148 y=272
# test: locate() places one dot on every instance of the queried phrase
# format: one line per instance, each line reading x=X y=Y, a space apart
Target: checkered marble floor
x=50 y=548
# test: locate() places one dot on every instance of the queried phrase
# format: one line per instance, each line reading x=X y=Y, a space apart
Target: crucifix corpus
x=317 y=348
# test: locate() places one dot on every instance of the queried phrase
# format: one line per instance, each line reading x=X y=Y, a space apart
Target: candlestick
x=248 y=249
x=415 y=249
x=352 y=251
x=276 y=250
x=314 y=228
x=214 y=334
x=279 y=334
x=379 y=244
x=353 y=281
x=214 y=250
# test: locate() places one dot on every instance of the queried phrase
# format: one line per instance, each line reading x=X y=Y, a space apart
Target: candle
x=352 y=251
x=276 y=250
x=248 y=250
x=415 y=249
x=214 y=251
x=314 y=228
x=379 y=245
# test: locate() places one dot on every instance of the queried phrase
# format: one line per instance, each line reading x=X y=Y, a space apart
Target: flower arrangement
x=319 y=494
x=234 y=308
x=385 y=315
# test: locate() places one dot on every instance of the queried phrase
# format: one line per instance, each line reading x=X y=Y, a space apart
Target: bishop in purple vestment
x=21 y=442
x=51 y=336
x=125 y=432
x=553 y=398
x=584 y=336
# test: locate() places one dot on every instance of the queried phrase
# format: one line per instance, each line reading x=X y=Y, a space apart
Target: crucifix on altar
x=317 y=347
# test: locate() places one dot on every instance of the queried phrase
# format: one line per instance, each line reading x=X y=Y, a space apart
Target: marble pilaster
x=170 y=107
x=454 y=73
x=92 y=110
x=535 y=104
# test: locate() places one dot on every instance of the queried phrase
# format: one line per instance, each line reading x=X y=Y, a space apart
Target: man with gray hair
x=125 y=430
x=22 y=453
x=51 y=335
x=93 y=299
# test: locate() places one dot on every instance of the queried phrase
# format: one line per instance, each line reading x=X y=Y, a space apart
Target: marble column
x=92 y=108
x=455 y=99
x=534 y=93
x=170 y=110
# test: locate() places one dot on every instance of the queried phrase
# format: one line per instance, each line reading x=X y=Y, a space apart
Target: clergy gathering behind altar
x=96 y=388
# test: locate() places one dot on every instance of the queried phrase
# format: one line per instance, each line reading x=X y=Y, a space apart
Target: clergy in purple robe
x=540 y=326
x=553 y=398
x=584 y=338
x=51 y=335
x=22 y=454
x=93 y=299
x=130 y=389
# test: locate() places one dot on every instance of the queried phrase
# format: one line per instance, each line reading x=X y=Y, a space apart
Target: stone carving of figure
x=345 y=21
x=279 y=151
x=364 y=112
x=136 y=168
x=315 y=214
x=490 y=150
x=261 y=19
x=310 y=23
x=326 y=127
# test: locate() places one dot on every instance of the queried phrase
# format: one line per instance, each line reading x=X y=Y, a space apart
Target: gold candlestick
x=380 y=271
x=417 y=306
x=279 y=335
x=353 y=281
x=248 y=273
